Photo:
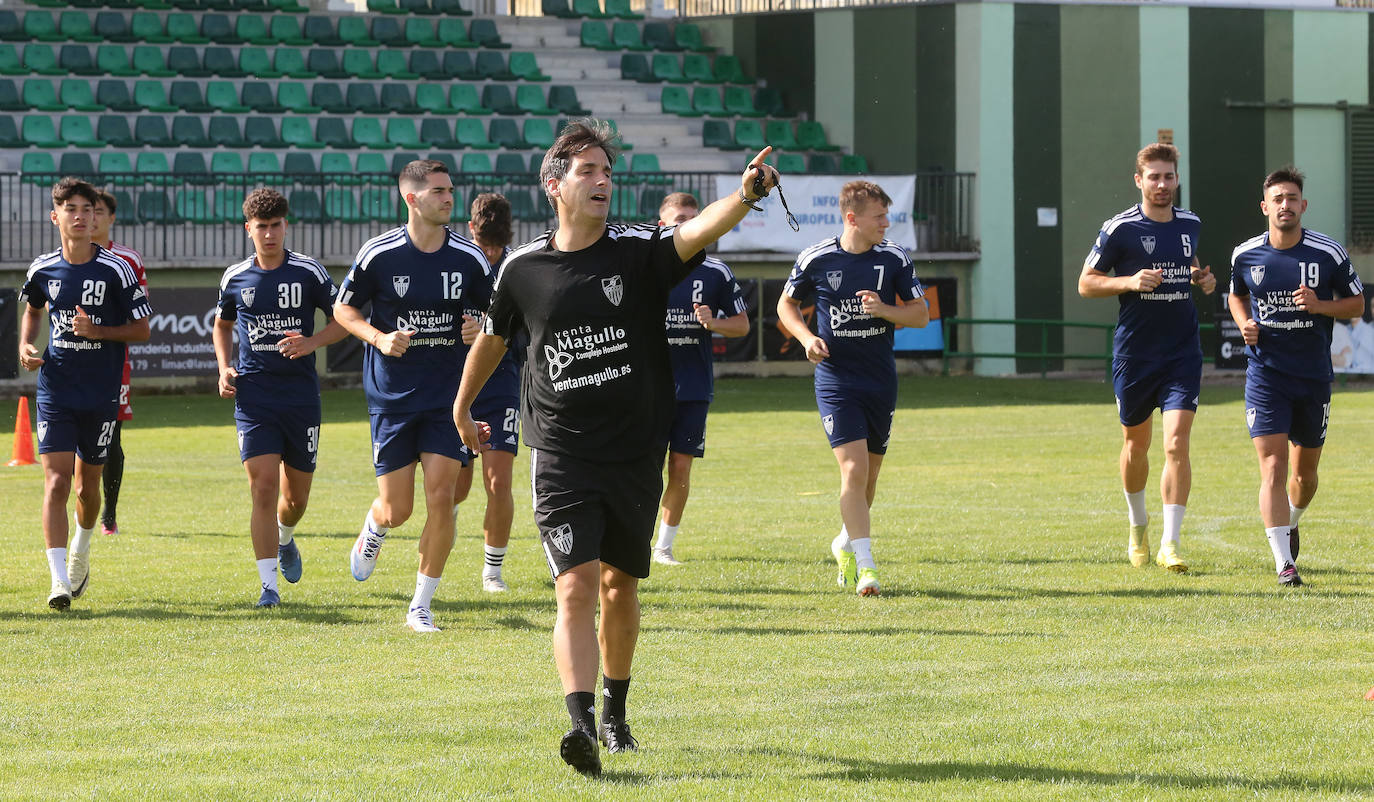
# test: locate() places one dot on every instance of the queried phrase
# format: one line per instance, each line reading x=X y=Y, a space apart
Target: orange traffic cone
x=23 y=436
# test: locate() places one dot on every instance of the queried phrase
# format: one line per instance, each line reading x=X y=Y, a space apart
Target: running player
x=1288 y=285
x=1157 y=359
x=499 y=403
x=419 y=278
x=112 y=478
x=95 y=307
x=269 y=302
x=856 y=280
x=597 y=397
x=705 y=303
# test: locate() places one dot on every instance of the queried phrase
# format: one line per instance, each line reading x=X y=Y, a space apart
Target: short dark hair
x=678 y=200
x=856 y=194
x=107 y=197
x=265 y=204
x=576 y=136
x=1288 y=174
x=491 y=220
x=1156 y=152
x=68 y=187
x=415 y=173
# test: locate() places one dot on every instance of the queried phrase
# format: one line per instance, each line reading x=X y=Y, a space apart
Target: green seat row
x=628 y=36
x=736 y=101
x=778 y=134
x=692 y=68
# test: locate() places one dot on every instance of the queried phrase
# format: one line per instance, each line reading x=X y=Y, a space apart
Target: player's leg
x=264 y=486
x=93 y=433
x=1306 y=438
x=111 y=480
x=497 y=469
x=295 y=496
x=58 y=467
x=462 y=486
x=436 y=538
x=1269 y=417
x=1175 y=483
x=576 y=654
x=1136 y=390
x=618 y=635
x=853 y=460
x=395 y=453
x=672 y=505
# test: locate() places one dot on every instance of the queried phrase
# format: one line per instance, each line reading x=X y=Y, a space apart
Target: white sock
x=494 y=557
x=374 y=526
x=267 y=572
x=1135 y=508
x=424 y=590
x=1278 y=543
x=455 y=512
x=841 y=541
x=57 y=565
x=81 y=540
x=284 y=533
x=1294 y=513
x=1173 y=523
x=666 y=534
x=863 y=552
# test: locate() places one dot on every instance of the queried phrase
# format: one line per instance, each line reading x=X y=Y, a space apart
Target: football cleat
x=849 y=567
x=289 y=560
x=1289 y=578
x=494 y=584
x=79 y=571
x=665 y=556
x=110 y=528
x=363 y=559
x=868 y=582
x=1168 y=558
x=616 y=736
x=269 y=598
x=1293 y=542
x=1138 y=551
x=579 y=750
x=420 y=619
x=60 y=597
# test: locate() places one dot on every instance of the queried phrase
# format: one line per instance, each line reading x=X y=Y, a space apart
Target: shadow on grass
x=304 y=613
x=875 y=631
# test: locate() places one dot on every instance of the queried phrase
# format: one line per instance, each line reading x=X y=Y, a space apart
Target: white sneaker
x=494 y=584
x=363 y=558
x=79 y=571
x=60 y=597
x=665 y=556
x=421 y=620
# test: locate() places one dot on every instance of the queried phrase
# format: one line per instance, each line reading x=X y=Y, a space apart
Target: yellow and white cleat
x=1139 y=549
x=1168 y=558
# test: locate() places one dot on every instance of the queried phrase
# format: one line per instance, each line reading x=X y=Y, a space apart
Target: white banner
x=815 y=200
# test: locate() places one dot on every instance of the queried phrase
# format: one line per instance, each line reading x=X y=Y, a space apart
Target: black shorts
x=589 y=511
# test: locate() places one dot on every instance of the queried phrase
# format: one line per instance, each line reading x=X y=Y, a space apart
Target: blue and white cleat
x=269 y=598
x=289 y=560
x=363 y=559
x=420 y=619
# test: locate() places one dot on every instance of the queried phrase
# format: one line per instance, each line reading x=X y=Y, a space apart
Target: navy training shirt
x=689 y=344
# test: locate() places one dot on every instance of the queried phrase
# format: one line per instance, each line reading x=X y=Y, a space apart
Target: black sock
x=582 y=709
x=613 y=700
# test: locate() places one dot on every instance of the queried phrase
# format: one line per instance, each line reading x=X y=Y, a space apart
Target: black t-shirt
x=597 y=382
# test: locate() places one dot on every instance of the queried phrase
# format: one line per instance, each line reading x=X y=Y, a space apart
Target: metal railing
x=195 y=220
x=1045 y=355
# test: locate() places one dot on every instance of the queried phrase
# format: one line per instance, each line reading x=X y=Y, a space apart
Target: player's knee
x=576 y=595
x=393 y=514
x=1176 y=448
x=58 y=484
x=499 y=485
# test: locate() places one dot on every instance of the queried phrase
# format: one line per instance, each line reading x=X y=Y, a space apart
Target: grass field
x=1014 y=652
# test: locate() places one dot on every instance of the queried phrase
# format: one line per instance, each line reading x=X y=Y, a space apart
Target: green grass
x=1014 y=653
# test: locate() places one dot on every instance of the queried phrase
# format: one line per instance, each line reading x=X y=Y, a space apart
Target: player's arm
x=1240 y=313
x=1203 y=278
x=790 y=316
x=351 y=318
x=1340 y=308
x=732 y=326
x=1094 y=283
x=486 y=353
x=724 y=214
x=295 y=346
x=135 y=331
x=913 y=315
x=29 y=325
x=222 y=335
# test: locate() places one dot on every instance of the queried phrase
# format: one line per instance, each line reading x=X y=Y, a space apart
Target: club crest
x=248 y=293
x=42 y=430
x=401 y=284
x=614 y=289
x=557 y=361
x=828 y=421
x=561 y=537
x=834 y=278
x=1148 y=243
x=54 y=287
x=1250 y=418
x=1257 y=274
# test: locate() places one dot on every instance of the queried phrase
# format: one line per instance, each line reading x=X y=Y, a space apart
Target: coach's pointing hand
x=757 y=167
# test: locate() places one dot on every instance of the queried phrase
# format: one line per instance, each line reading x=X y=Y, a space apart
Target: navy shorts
x=688 y=433
x=88 y=432
x=292 y=432
x=1277 y=403
x=503 y=416
x=848 y=416
x=589 y=511
x=398 y=439
x=1141 y=387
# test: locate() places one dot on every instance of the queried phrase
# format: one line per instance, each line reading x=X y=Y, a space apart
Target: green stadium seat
x=329 y=96
x=452 y=32
x=706 y=100
x=491 y=65
x=193 y=206
x=779 y=135
x=675 y=100
x=367 y=132
x=293 y=96
x=338 y=167
x=223 y=97
x=452 y=164
x=378 y=204
x=438 y=133
x=388 y=31
x=769 y=102
x=353 y=31
x=687 y=36
x=822 y=164
x=651 y=198
x=426 y=64
x=419 y=32
x=78 y=132
x=255 y=62
x=113 y=130
x=76 y=95
x=10 y=99
x=148 y=60
x=185 y=61
x=115 y=167
x=362 y=97
x=497 y=97
x=384 y=7
x=113 y=60
x=811 y=136
x=114 y=95
x=483 y=32
x=10 y=62
x=504 y=133
x=265 y=168
x=300 y=165
x=11 y=30
x=624 y=204
x=463 y=98
x=396 y=99
x=479 y=166
x=621 y=169
x=738 y=101
x=556 y=8
x=332 y=133
x=458 y=64
x=183 y=28
x=9 y=133
x=658 y=36
x=262 y=132
x=563 y=98
x=152 y=96
x=510 y=164
x=530 y=99
x=401 y=133
x=251 y=28
x=286 y=30
x=526 y=67
x=595 y=34
x=697 y=67
x=39 y=26
x=634 y=67
x=622 y=10
x=340 y=204
x=421 y=7
x=325 y=63
x=524 y=207
x=218 y=29
x=220 y=61
x=591 y=9
x=401 y=159
x=147 y=27
x=228 y=203
x=372 y=169
x=538 y=133
x=392 y=64
x=258 y=96
x=749 y=135
x=728 y=70
x=189 y=132
x=151 y=132
x=110 y=26
x=358 y=63
x=430 y=99
x=226 y=131
x=472 y=134
x=40 y=95
x=791 y=163
x=668 y=68
x=290 y=63
x=153 y=207
x=190 y=166
x=186 y=96
x=226 y=164
x=853 y=164
x=77 y=164
x=321 y=32
x=77 y=60
x=153 y=168
x=626 y=36
x=624 y=144
x=288 y=6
